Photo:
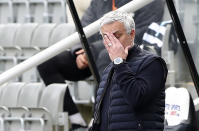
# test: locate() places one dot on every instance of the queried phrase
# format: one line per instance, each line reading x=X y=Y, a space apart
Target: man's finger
x=83 y=60
x=80 y=64
x=85 y=57
x=112 y=38
x=106 y=45
x=107 y=41
x=115 y=40
x=79 y=52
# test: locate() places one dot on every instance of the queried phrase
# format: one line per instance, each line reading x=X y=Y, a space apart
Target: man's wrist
x=118 y=61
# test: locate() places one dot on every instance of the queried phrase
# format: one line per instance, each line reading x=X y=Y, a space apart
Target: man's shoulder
x=138 y=53
x=142 y=58
x=150 y=57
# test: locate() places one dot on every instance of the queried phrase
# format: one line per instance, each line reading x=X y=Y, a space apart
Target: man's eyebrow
x=114 y=32
x=117 y=31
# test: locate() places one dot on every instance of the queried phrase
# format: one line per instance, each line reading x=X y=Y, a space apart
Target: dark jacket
x=135 y=98
x=143 y=17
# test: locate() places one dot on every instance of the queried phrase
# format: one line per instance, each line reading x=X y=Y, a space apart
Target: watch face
x=118 y=60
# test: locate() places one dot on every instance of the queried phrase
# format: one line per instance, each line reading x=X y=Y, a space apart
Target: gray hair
x=125 y=18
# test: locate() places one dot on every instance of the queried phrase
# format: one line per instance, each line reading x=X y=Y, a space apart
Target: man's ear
x=132 y=33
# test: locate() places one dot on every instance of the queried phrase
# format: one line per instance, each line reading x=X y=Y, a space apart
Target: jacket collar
x=133 y=51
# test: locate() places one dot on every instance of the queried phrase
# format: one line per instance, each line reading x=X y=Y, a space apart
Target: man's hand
x=81 y=59
x=114 y=47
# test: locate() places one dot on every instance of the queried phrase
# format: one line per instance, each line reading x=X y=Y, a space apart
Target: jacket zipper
x=107 y=67
x=109 y=112
x=110 y=103
x=96 y=115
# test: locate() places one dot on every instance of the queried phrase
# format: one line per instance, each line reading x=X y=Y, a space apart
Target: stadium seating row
x=32 y=107
x=20 y=41
x=33 y=35
x=39 y=11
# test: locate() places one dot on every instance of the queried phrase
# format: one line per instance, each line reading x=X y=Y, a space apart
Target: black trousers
x=60 y=68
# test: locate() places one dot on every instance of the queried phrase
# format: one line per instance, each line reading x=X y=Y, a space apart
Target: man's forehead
x=113 y=31
x=112 y=27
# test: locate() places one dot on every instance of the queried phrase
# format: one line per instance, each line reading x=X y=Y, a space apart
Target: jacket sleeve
x=140 y=88
x=145 y=16
x=88 y=18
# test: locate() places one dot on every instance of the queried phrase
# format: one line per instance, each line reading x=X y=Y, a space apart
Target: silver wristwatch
x=118 y=61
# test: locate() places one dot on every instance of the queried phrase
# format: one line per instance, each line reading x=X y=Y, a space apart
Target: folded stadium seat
x=53 y=11
x=2 y=88
x=22 y=9
x=40 y=120
x=4 y=112
x=5 y=8
x=26 y=115
x=23 y=40
x=50 y=111
x=24 y=35
x=41 y=36
x=84 y=92
x=58 y=10
x=179 y=110
x=1 y=45
x=7 y=34
x=52 y=99
x=30 y=95
x=9 y=96
x=37 y=9
x=16 y=119
x=61 y=32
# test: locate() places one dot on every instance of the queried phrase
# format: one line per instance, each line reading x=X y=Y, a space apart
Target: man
x=74 y=65
x=143 y=18
x=131 y=95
